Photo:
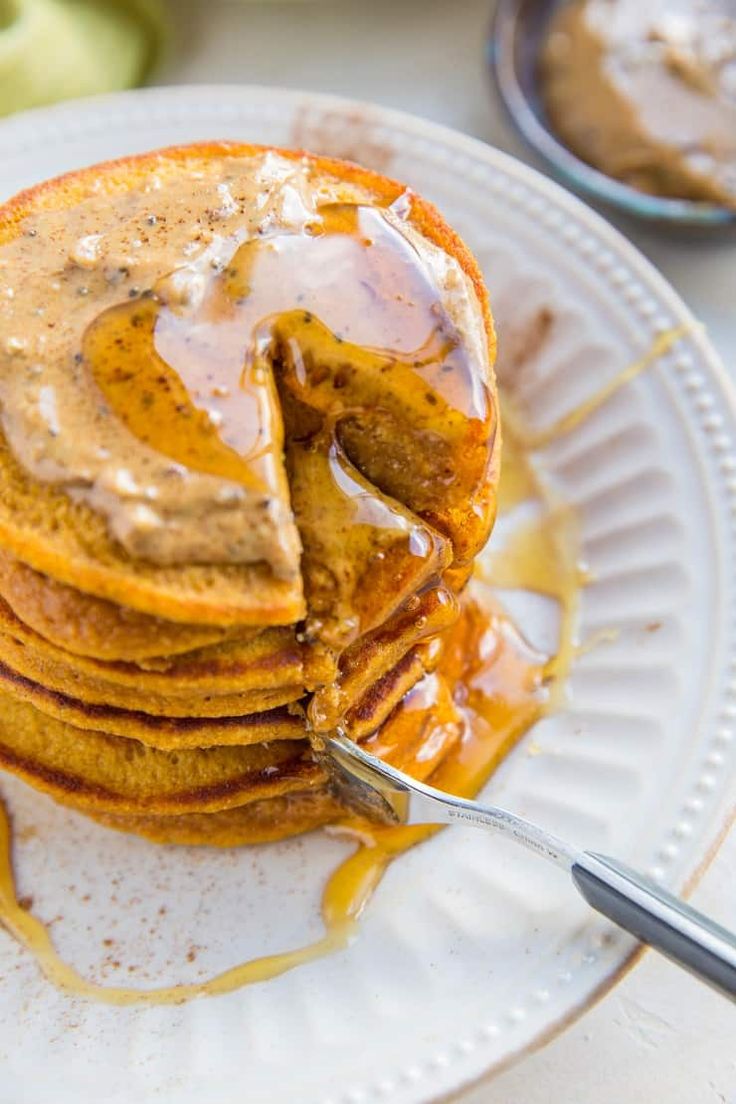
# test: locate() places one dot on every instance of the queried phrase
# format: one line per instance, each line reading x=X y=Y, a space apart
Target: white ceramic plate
x=471 y=951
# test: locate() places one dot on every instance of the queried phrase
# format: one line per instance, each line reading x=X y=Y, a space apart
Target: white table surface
x=659 y=1037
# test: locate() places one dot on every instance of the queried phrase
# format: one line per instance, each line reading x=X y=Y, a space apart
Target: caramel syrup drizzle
x=499 y=684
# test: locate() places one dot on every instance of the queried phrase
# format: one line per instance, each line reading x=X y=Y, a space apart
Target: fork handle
x=655 y=917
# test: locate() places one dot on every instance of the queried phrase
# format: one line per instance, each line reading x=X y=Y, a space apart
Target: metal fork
x=377 y=791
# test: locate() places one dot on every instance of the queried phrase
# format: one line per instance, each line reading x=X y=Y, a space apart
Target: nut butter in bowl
x=633 y=102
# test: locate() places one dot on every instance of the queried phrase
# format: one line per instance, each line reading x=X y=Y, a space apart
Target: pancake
x=249 y=449
x=71 y=541
x=45 y=671
x=88 y=626
x=269 y=660
x=111 y=773
x=257 y=822
x=273 y=721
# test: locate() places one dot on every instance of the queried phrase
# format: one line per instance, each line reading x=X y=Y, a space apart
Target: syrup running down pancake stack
x=249 y=451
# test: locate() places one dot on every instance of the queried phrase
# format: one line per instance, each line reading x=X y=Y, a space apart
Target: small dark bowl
x=517 y=33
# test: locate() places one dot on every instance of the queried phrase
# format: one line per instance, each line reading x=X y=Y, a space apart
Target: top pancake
x=427 y=467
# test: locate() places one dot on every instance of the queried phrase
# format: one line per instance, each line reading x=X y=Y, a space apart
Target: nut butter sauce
x=646 y=92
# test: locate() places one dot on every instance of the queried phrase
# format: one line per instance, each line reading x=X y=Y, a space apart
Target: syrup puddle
x=503 y=689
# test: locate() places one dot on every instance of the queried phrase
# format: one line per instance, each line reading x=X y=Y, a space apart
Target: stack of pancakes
x=163 y=669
